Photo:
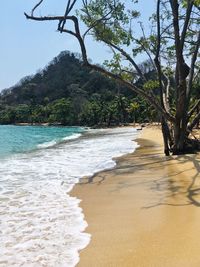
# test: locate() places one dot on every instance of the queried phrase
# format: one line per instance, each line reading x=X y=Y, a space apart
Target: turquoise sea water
x=16 y=139
x=41 y=224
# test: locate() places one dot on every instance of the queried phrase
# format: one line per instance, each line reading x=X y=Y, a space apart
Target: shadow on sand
x=175 y=180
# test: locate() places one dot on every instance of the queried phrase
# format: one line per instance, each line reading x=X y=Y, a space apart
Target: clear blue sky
x=27 y=46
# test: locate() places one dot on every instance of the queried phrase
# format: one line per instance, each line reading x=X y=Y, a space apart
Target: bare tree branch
x=175 y=12
x=128 y=57
x=67 y=11
x=192 y=66
x=163 y=97
x=145 y=49
x=197 y=104
x=186 y=22
x=45 y=17
x=166 y=95
x=36 y=6
x=76 y=33
x=194 y=122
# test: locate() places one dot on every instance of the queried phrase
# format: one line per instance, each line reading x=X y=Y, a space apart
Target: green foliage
x=151 y=85
x=185 y=3
x=67 y=93
x=60 y=111
x=134 y=106
x=115 y=29
x=114 y=64
x=197 y=2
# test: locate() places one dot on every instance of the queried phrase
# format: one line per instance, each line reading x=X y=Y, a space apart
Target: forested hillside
x=66 y=92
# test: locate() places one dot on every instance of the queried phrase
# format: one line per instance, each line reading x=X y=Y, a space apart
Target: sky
x=27 y=46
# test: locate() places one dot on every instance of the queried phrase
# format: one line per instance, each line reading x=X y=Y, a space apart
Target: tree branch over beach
x=172 y=45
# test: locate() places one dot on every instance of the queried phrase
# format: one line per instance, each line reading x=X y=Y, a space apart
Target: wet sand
x=145 y=212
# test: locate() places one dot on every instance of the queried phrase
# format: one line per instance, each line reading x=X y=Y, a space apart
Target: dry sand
x=145 y=212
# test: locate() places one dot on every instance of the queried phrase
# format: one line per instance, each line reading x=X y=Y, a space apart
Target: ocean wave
x=72 y=137
x=55 y=142
x=47 y=144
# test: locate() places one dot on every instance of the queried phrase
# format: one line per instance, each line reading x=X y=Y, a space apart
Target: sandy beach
x=145 y=212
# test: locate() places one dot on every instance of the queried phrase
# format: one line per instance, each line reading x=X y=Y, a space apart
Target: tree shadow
x=187 y=188
x=193 y=192
x=97 y=178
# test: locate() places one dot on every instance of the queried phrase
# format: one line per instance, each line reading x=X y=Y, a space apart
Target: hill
x=68 y=93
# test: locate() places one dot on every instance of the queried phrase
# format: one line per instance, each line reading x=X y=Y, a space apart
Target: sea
x=41 y=225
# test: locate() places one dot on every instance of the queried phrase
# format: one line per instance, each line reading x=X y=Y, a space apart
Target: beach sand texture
x=145 y=212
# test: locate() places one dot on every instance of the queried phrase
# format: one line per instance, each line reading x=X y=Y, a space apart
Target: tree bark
x=166 y=136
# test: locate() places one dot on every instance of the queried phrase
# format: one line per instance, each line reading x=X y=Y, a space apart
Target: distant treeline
x=68 y=93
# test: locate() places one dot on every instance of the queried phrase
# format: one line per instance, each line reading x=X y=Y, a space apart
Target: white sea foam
x=72 y=137
x=40 y=224
x=55 y=142
x=47 y=144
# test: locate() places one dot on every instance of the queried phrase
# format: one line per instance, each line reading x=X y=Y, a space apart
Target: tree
x=22 y=113
x=134 y=106
x=61 y=109
x=172 y=47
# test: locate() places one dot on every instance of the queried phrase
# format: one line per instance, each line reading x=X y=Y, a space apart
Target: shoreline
x=47 y=124
x=145 y=211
